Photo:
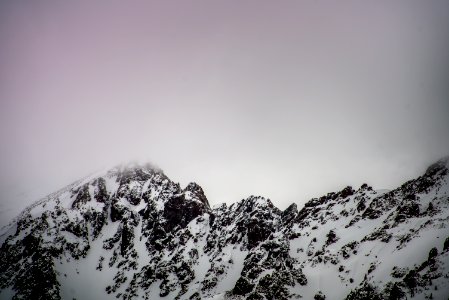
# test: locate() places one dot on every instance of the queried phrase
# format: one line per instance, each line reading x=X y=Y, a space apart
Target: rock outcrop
x=132 y=233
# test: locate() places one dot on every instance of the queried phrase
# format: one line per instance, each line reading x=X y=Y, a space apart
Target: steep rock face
x=132 y=233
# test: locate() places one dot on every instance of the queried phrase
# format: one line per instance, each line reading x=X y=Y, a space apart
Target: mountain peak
x=442 y=165
x=194 y=191
x=139 y=235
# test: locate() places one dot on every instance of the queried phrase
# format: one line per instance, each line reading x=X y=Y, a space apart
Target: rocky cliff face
x=132 y=233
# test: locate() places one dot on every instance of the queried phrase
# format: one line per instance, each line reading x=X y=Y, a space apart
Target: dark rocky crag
x=139 y=235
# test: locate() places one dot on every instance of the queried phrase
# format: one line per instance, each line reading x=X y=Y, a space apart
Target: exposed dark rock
x=82 y=196
x=398 y=272
x=319 y=296
x=411 y=281
x=257 y=231
x=101 y=193
x=289 y=213
x=346 y=192
x=432 y=254
x=365 y=292
x=197 y=192
x=331 y=237
x=179 y=212
x=361 y=205
x=273 y=287
x=446 y=244
x=242 y=287
x=127 y=239
x=396 y=292
x=407 y=210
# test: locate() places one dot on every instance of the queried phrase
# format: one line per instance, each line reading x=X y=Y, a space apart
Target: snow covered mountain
x=132 y=233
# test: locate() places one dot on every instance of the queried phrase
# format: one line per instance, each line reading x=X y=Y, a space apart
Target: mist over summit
x=252 y=109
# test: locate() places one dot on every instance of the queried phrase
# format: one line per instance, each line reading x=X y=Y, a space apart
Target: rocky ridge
x=132 y=233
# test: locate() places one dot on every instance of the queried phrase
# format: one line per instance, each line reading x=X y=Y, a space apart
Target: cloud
x=287 y=100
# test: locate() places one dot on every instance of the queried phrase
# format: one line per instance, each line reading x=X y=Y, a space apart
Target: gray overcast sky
x=285 y=99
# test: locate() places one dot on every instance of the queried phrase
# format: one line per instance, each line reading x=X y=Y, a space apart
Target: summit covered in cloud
x=271 y=98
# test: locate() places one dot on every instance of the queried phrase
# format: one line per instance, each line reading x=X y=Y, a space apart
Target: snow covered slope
x=132 y=233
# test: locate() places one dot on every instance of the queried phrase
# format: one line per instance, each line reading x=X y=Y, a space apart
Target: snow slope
x=132 y=233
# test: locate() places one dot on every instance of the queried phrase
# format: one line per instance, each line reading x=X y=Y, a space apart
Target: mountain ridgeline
x=132 y=233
